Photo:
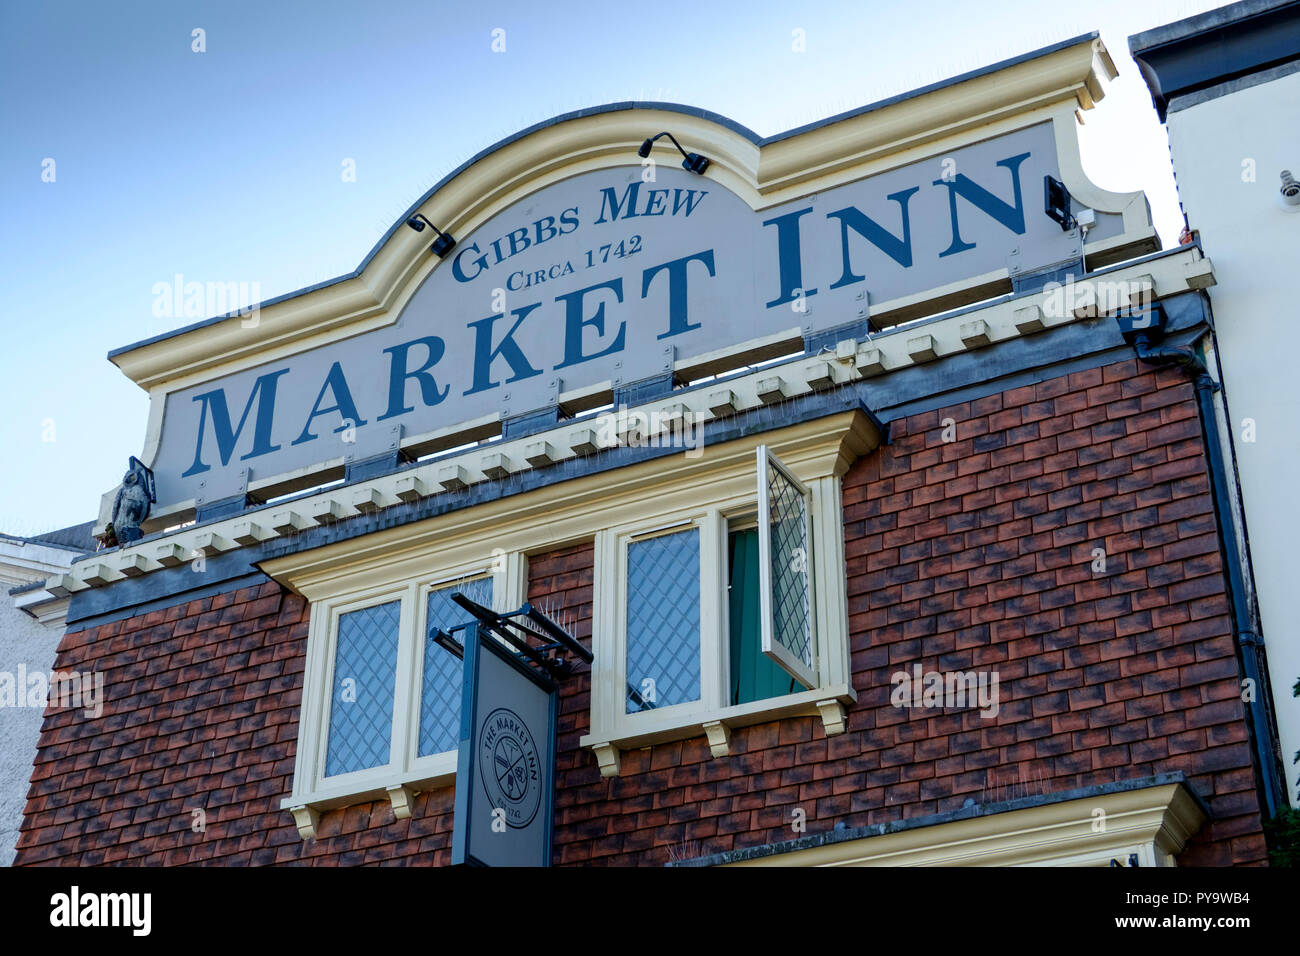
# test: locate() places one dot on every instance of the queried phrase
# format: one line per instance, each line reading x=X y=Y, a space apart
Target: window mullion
x=406 y=696
x=609 y=634
x=316 y=675
x=713 y=586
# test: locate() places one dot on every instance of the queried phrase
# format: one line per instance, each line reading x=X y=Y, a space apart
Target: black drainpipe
x=1144 y=330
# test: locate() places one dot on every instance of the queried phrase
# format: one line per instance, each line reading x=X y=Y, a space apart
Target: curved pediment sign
x=627 y=273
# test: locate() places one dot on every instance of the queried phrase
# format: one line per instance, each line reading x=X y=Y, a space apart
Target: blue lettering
x=264 y=393
x=399 y=373
x=689 y=202
x=1013 y=217
x=550 y=232
x=900 y=250
x=788 y=258
x=456 y=269
x=615 y=206
x=574 y=323
x=520 y=235
x=343 y=404
x=507 y=348
x=677 y=318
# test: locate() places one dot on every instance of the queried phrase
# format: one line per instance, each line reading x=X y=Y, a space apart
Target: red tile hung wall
x=970 y=554
x=978 y=554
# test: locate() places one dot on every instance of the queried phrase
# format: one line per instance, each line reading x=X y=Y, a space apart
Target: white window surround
x=407 y=772
x=403 y=562
x=613 y=729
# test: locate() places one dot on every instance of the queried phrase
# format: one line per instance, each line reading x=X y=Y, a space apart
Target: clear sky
x=228 y=165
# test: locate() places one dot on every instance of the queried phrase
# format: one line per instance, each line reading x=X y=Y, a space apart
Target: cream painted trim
x=883 y=353
x=48 y=610
x=1133 y=206
x=719 y=735
x=22 y=562
x=575 y=510
x=1154 y=822
x=813 y=160
x=401 y=797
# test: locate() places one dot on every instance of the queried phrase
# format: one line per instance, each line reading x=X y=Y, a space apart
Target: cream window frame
x=406 y=772
x=612 y=728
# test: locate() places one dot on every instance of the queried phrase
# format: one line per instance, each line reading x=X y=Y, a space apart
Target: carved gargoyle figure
x=131 y=507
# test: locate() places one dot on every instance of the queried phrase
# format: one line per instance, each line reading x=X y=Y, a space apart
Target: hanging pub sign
x=609 y=277
x=506 y=763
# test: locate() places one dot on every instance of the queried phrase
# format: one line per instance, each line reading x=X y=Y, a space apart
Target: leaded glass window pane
x=443 y=671
x=788 y=523
x=663 y=620
x=365 y=679
x=785 y=559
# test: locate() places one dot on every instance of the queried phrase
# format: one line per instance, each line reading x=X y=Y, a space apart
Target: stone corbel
x=833 y=716
x=607 y=757
x=719 y=737
x=401 y=798
x=306 y=819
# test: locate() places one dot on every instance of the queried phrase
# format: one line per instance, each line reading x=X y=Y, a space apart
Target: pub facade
x=868 y=478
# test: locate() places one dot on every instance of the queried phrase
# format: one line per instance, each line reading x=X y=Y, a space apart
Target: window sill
x=632 y=731
x=398 y=789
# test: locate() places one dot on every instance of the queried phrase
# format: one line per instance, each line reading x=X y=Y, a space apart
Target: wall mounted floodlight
x=442 y=245
x=693 y=162
x=1056 y=203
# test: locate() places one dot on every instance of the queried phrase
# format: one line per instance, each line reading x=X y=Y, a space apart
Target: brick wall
x=971 y=554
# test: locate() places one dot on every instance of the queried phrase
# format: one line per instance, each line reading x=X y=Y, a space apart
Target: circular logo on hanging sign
x=509 y=766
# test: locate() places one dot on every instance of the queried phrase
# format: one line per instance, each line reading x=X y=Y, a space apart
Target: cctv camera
x=1290 y=189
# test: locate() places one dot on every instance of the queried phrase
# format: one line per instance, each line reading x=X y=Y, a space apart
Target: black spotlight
x=1056 y=203
x=442 y=245
x=692 y=162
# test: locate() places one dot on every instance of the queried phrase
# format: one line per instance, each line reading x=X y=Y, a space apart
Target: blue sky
x=226 y=165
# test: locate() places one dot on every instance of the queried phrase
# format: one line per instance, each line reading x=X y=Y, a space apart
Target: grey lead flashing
x=716 y=118
x=952 y=380
x=971 y=812
x=196 y=590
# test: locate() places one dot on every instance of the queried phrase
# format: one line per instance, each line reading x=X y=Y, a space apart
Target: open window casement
x=785 y=571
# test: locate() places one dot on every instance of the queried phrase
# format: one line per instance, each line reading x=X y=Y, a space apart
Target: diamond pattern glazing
x=788 y=521
x=663 y=619
x=365 y=678
x=443 y=672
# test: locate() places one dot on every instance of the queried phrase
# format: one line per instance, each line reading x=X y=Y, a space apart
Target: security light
x=442 y=245
x=1056 y=203
x=692 y=162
